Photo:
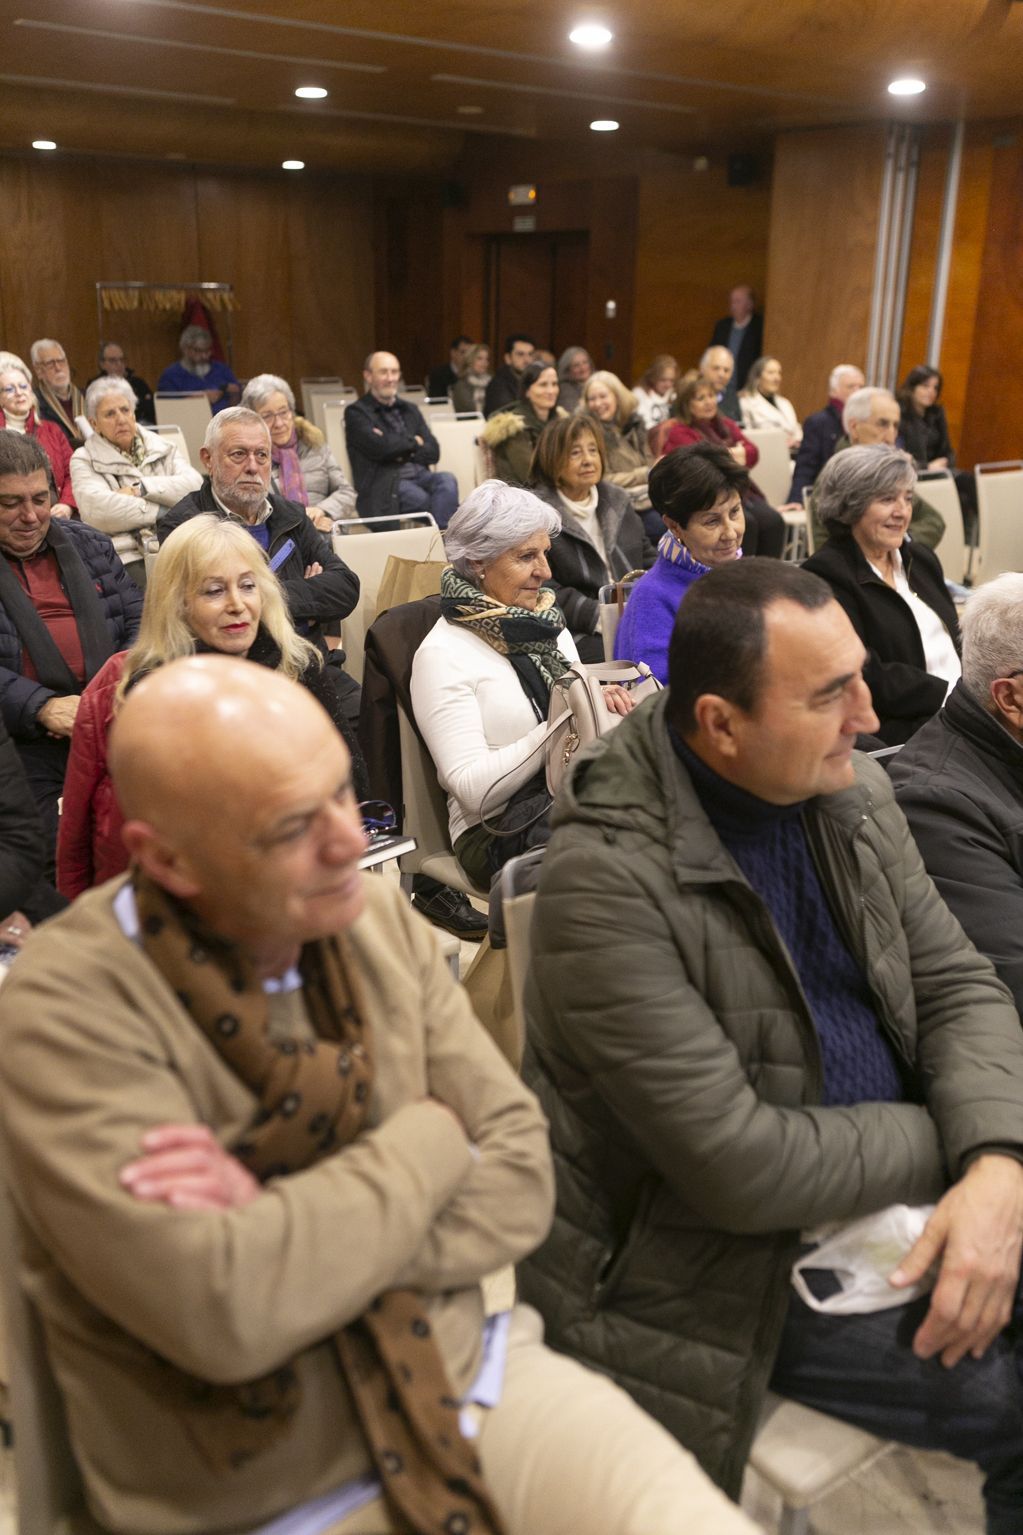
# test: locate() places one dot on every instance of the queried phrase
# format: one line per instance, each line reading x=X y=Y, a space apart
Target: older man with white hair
x=58 y=399
x=823 y=428
x=872 y=415
x=198 y=372
x=718 y=364
x=960 y=782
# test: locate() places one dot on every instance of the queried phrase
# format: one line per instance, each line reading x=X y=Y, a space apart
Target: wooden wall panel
x=824 y=211
x=697 y=238
x=300 y=252
x=992 y=427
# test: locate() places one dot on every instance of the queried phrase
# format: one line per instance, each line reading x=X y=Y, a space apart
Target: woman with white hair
x=482 y=678
x=891 y=586
x=124 y=473
x=19 y=412
x=575 y=365
x=212 y=592
x=304 y=468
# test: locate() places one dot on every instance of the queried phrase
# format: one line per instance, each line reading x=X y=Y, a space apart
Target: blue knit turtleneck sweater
x=769 y=844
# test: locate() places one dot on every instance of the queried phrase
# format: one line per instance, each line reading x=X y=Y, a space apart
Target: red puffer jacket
x=57 y=449
x=89 y=847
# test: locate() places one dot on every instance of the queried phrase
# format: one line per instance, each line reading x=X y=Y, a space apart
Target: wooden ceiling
x=214 y=82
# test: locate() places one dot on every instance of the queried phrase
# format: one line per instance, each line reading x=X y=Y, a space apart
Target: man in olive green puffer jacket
x=750 y=1014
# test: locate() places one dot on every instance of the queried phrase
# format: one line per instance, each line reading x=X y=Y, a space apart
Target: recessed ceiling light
x=591 y=34
x=469 y=111
x=604 y=125
x=311 y=92
x=292 y=165
x=43 y=144
x=908 y=87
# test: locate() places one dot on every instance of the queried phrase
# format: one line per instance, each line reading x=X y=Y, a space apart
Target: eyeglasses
x=276 y=415
x=9 y=390
x=378 y=815
x=54 y=362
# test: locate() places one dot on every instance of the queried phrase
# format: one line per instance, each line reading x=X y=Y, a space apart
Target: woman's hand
x=60 y=510
x=15 y=930
x=619 y=700
x=738 y=452
x=320 y=519
x=938 y=463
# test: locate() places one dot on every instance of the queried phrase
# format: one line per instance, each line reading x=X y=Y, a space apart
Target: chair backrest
x=439 y=406
x=368 y=558
x=999 y=519
x=333 y=428
x=456 y=438
x=171 y=432
x=811 y=542
x=191 y=412
x=939 y=490
x=425 y=806
x=773 y=473
x=414 y=392
x=310 y=387
x=50 y=1495
x=611 y=614
x=518 y=897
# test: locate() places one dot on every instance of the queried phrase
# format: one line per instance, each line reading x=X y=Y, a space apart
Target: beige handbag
x=578 y=713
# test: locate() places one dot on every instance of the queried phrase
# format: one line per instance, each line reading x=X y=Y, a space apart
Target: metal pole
x=884 y=211
x=882 y=368
x=943 y=267
x=905 y=244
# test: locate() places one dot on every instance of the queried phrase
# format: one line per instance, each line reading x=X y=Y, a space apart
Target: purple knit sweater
x=649 y=616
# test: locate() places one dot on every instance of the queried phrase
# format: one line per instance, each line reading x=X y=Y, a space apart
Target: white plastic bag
x=861 y=1254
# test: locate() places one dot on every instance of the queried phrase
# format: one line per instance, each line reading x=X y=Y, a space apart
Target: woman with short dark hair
x=698 y=493
x=603 y=538
x=891 y=586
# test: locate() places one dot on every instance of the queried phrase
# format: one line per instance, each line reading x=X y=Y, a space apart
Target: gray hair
x=259 y=389
x=234 y=415
x=838 y=375
x=568 y=357
x=492 y=519
x=855 y=477
x=193 y=333
x=992 y=627
x=37 y=347
x=860 y=404
x=705 y=359
x=11 y=360
x=101 y=387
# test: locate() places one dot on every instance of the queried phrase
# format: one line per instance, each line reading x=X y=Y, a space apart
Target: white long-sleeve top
x=476 y=720
x=759 y=414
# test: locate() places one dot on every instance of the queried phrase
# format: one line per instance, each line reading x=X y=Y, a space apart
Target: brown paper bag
x=407 y=580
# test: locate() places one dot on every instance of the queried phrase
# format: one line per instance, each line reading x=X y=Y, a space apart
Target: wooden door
x=537 y=283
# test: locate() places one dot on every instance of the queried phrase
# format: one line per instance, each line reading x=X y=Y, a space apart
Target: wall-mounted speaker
x=743 y=170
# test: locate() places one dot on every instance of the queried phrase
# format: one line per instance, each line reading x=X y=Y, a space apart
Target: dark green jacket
x=926 y=526
x=676 y=1058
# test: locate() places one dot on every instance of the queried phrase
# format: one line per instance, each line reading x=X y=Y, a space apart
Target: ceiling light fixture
x=590 y=34
x=312 y=92
x=604 y=125
x=292 y=165
x=43 y=144
x=907 y=87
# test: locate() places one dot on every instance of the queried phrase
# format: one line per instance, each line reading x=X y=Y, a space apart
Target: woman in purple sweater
x=698 y=491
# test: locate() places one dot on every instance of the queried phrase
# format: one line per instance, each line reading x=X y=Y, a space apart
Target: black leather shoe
x=454 y=912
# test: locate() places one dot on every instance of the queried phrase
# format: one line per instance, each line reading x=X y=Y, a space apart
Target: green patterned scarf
x=513 y=632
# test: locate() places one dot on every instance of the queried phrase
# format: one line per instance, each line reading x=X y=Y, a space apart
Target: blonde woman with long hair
x=210 y=590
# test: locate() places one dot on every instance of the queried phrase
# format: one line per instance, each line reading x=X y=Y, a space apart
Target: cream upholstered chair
x=938 y=488
x=999 y=519
x=773 y=473
x=191 y=412
x=420 y=540
x=425 y=817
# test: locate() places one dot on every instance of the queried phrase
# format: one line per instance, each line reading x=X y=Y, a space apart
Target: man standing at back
x=751 y=1016
x=391 y=448
x=741 y=330
x=263 y=1154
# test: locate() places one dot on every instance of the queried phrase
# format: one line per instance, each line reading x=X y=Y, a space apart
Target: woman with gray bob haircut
x=482 y=678
x=892 y=588
x=124 y=473
x=304 y=468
